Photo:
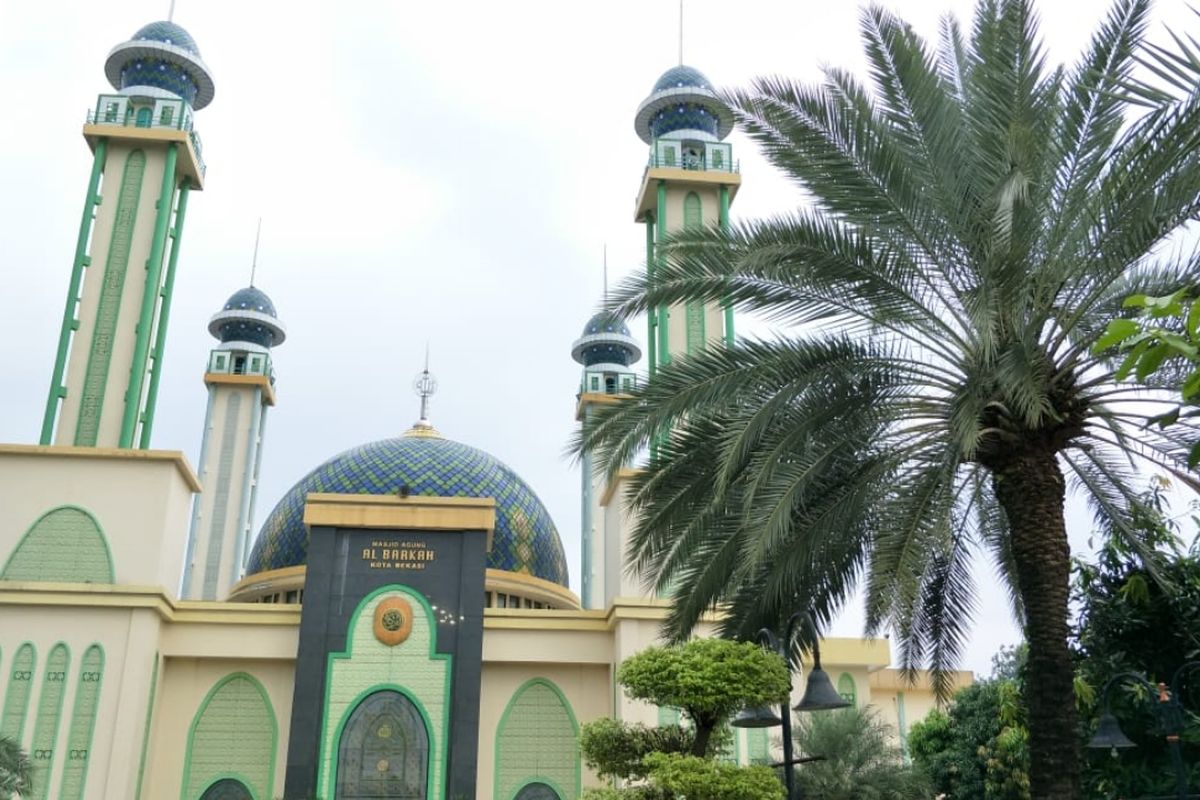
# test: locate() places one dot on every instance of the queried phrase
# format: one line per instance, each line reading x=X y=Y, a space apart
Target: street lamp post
x=1168 y=711
x=819 y=694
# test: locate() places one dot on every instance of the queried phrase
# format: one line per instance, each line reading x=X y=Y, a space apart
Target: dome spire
x=425 y=385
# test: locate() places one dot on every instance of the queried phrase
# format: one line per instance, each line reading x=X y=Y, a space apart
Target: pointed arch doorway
x=384 y=750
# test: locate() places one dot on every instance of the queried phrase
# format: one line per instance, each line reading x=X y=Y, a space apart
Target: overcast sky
x=435 y=171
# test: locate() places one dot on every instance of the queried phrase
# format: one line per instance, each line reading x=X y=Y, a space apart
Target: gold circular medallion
x=382 y=766
x=393 y=620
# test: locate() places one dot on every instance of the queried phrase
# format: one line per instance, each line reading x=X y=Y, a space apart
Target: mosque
x=402 y=625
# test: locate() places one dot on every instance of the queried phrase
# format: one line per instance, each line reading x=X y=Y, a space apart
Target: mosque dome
x=248 y=316
x=680 y=77
x=167 y=33
x=161 y=59
x=524 y=541
x=606 y=340
x=684 y=104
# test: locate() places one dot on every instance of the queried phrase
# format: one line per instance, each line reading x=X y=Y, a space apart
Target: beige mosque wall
x=133 y=496
x=217 y=706
x=714 y=323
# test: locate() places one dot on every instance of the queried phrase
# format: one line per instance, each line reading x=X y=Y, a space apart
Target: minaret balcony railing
x=700 y=156
x=155 y=113
x=237 y=362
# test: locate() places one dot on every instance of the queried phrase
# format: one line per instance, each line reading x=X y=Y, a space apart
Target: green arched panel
x=758 y=746
x=16 y=698
x=234 y=733
x=83 y=724
x=64 y=545
x=847 y=688
x=694 y=322
x=537 y=741
x=49 y=715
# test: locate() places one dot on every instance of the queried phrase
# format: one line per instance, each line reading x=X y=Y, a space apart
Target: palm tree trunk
x=1030 y=489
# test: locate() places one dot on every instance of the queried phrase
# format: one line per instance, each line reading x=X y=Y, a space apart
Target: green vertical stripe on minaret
x=160 y=335
x=723 y=220
x=108 y=307
x=651 y=322
x=695 y=333
x=141 y=348
x=49 y=715
x=664 y=342
x=70 y=323
x=137 y=795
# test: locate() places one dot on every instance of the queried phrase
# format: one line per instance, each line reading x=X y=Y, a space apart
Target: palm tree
x=859 y=758
x=976 y=219
x=16 y=773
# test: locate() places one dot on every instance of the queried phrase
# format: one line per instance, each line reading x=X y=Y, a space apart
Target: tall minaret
x=689 y=183
x=146 y=159
x=241 y=386
x=607 y=352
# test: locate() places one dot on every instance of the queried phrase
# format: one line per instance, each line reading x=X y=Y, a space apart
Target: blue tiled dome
x=161 y=56
x=248 y=316
x=525 y=539
x=604 y=322
x=167 y=33
x=679 y=77
x=605 y=340
x=683 y=102
x=251 y=299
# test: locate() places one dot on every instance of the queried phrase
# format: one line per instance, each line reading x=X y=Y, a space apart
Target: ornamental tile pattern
x=537 y=739
x=525 y=539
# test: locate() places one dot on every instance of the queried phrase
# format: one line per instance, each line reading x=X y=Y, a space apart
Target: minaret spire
x=680 y=30
x=606 y=275
x=254 y=260
x=171 y=12
x=425 y=385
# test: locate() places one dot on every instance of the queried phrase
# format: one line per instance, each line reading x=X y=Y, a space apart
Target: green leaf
x=1191 y=386
x=1118 y=331
x=1169 y=418
x=1151 y=360
x=1136 y=301
x=1193 y=321
x=1131 y=360
x=1194 y=456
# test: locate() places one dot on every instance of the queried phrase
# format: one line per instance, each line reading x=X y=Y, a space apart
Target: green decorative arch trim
x=413 y=668
x=537 y=741
x=231 y=776
x=693 y=212
x=543 y=779
x=233 y=735
x=83 y=724
x=49 y=715
x=16 y=698
x=66 y=545
x=847 y=688
x=758 y=746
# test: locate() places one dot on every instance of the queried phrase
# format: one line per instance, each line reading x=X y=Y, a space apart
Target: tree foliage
x=979 y=748
x=708 y=679
x=860 y=760
x=976 y=218
x=1162 y=342
x=1143 y=618
x=16 y=773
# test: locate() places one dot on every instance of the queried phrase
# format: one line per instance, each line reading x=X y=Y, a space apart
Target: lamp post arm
x=794 y=620
x=1177 y=678
x=1115 y=679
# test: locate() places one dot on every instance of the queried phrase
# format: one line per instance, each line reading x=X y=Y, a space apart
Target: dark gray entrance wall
x=341 y=572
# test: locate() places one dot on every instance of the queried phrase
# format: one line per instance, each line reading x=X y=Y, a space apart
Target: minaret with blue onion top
x=689 y=182
x=146 y=159
x=241 y=387
x=607 y=351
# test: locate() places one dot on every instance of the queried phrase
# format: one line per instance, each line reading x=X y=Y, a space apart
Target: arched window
x=227 y=789
x=537 y=791
x=384 y=750
x=847 y=689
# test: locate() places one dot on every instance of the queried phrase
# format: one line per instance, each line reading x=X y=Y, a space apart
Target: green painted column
x=160 y=336
x=141 y=350
x=70 y=323
x=728 y=306
x=651 y=316
x=660 y=218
